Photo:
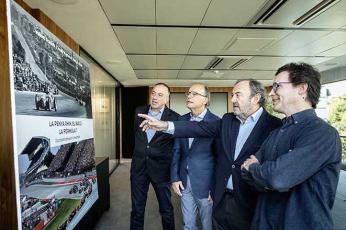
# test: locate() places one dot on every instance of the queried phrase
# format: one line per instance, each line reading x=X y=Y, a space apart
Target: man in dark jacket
x=151 y=161
x=298 y=165
x=238 y=134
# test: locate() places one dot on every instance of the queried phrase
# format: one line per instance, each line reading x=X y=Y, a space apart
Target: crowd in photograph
x=70 y=160
x=87 y=192
x=26 y=80
x=38 y=212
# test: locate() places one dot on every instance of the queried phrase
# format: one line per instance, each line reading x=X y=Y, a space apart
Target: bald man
x=151 y=161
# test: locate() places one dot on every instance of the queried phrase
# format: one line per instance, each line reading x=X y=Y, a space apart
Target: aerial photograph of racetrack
x=57 y=184
x=49 y=78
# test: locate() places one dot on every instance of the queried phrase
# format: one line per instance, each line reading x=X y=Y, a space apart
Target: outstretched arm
x=182 y=128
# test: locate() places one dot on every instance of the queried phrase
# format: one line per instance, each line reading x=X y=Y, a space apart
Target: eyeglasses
x=193 y=94
x=278 y=84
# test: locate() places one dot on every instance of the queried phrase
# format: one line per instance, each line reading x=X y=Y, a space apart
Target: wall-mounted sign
x=53 y=127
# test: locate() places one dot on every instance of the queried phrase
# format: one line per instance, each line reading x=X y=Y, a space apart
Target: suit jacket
x=199 y=159
x=153 y=158
x=226 y=130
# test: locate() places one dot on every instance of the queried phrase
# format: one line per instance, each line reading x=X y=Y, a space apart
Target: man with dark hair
x=298 y=165
x=304 y=73
x=151 y=161
x=237 y=135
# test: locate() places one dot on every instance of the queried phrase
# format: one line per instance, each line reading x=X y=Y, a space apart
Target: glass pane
x=103 y=104
x=177 y=103
x=332 y=107
x=218 y=103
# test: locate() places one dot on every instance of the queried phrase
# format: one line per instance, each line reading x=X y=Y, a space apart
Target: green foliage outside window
x=269 y=108
x=337 y=118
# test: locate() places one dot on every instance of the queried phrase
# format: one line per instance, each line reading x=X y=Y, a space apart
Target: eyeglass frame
x=277 y=84
x=193 y=94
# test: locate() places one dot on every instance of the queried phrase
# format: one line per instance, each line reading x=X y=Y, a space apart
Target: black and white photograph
x=49 y=78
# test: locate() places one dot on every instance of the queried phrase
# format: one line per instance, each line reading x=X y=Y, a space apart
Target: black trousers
x=139 y=191
x=229 y=215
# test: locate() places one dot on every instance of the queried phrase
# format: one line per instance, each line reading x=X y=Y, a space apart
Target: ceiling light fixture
x=113 y=62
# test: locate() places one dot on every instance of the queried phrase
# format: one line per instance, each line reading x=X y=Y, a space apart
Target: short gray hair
x=256 y=87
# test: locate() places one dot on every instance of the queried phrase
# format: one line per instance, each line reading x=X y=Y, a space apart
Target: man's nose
x=233 y=99
x=272 y=92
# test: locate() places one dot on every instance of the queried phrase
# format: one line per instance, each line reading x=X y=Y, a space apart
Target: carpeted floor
x=118 y=216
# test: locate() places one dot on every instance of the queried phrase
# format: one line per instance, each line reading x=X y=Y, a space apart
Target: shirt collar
x=253 y=117
x=301 y=116
x=201 y=115
x=160 y=112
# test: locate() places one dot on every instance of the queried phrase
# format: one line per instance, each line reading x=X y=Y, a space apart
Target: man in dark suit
x=192 y=165
x=239 y=134
x=151 y=161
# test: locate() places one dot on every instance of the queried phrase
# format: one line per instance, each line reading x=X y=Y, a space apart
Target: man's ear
x=303 y=88
x=257 y=98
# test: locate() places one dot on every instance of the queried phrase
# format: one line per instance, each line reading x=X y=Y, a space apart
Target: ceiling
x=211 y=41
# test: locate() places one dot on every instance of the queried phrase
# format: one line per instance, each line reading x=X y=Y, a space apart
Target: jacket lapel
x=230 y=131
x=144 y=134
x=186 y=140
x=205 y=118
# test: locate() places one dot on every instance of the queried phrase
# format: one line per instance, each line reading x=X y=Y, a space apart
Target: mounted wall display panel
x=54 y=150
x=8 y=210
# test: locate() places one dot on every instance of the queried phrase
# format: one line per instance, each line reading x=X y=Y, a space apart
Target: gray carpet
x=118 y=216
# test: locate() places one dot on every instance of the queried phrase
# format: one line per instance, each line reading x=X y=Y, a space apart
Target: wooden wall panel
x=227 y=90
x=55 y=29
x=25 y=6
x=8 y=211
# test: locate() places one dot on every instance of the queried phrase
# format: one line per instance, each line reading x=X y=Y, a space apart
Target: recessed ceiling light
x=65 y=2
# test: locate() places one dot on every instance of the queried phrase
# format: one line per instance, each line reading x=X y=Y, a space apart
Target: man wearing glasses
x=297 y=165
x=151 y=161
x=192 y=165
x=237 y=134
